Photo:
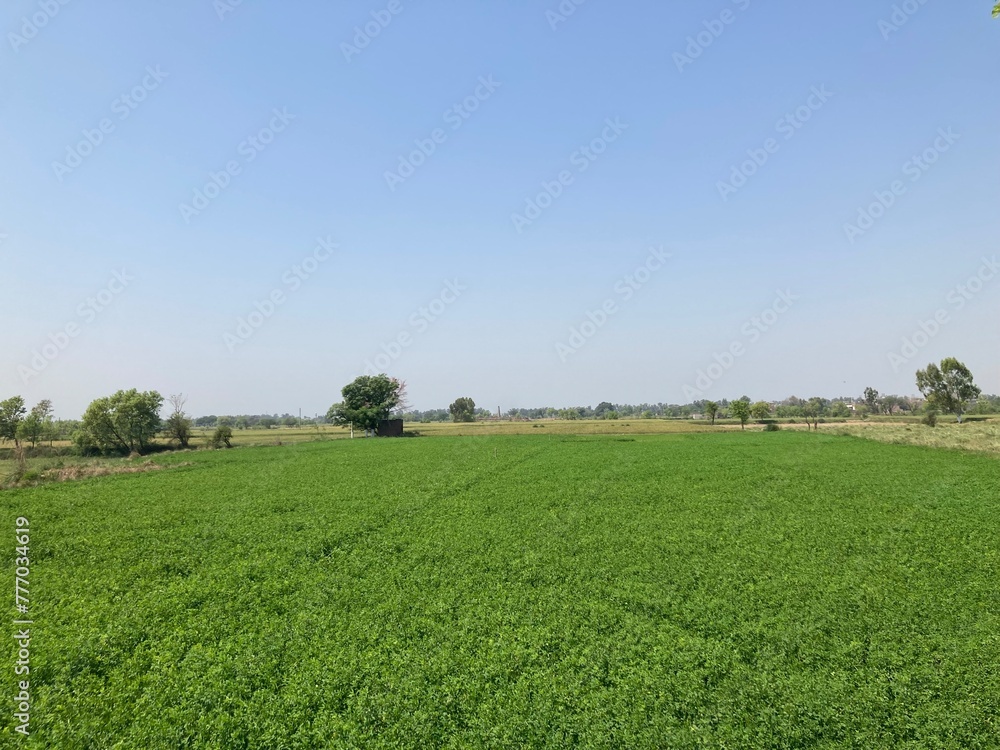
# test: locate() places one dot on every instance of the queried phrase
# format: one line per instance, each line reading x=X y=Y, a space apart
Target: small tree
x=37 y=424
x=463 y=410
x=222 y=436
x=760 y=410
x=813 y=409
x=741 y=411
x=871 y=400
x=178 y=424
x=712 y=410
x=948 y=387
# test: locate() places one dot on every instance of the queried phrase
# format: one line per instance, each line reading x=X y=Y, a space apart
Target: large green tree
x=760 y=410
x=948 y=387
x=463 y=410
x=12 y=413
x=602 y=408
x=123 y=423
x=368 y=399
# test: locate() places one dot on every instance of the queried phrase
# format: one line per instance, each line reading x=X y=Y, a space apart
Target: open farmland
x=726 y=590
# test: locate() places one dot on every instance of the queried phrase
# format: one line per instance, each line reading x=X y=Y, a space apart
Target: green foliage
x=178 y=425
x=37 y=425
x=813 y=409
x=463 y=410
x=125 y=422
x=223 y=435
x=839 y=410
x=930 y=418
x=771 y=427
x=678 y=591
x=367 y=401
x=12 y=413
x=871 y=398
x=741 y=410
x=948 y=387
x=603 y=408
x=760 y=410
x=712 y=410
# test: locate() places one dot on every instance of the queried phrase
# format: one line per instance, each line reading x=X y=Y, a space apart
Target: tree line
x=129 y=421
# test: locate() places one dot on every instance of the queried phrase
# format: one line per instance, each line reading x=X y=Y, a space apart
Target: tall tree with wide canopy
x=463 y=410
x=12 y=413
x=125 y=422
x=949 y=387
x=368 y=400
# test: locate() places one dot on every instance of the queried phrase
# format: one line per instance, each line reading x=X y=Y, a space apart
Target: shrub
x=84 y=444
x=930 y=418
x=771 y=427
x=222 y=436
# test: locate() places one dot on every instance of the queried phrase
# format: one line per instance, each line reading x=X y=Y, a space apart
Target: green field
x=726 y=590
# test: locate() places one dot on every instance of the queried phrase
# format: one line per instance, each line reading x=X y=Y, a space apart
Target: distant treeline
x=791 y=407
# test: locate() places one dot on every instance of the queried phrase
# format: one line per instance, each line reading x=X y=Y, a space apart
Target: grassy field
x=982 y=437
x=718 y=590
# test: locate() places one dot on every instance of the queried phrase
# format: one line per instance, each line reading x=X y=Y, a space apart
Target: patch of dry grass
x=979 y=437
x=85 y=470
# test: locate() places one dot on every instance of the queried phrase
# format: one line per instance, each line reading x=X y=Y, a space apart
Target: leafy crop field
x=728 y=590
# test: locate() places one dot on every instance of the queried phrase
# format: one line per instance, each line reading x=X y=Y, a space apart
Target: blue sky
x=487 y=303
